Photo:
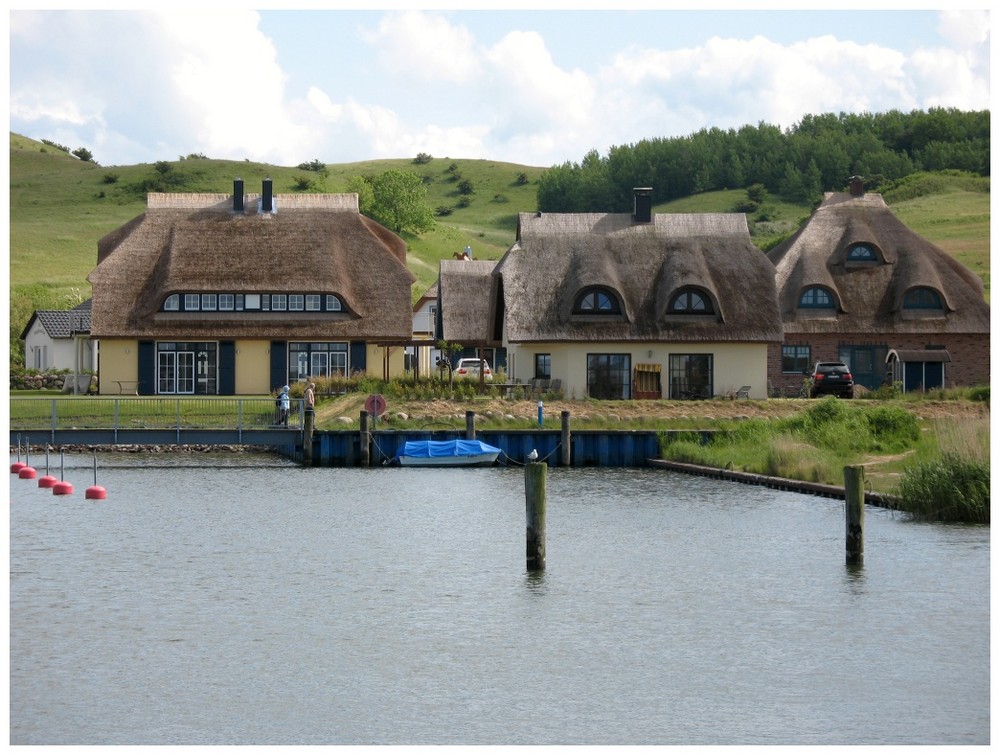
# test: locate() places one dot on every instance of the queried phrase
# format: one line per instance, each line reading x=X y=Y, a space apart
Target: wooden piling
x=307 y=441
x=534 y=498
x=854 y=488
x=565 y=441
x=470 y=425
x=365 y=441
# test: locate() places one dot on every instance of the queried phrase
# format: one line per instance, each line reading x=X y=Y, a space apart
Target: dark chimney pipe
x=266 y=200
x=238 y=195
x=643 y=205
x=857 y=186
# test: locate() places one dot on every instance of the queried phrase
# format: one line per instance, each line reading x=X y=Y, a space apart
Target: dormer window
x=816 y=297
x=690 y=301
x=862 y=255
x=597 y=301
x=922 y=298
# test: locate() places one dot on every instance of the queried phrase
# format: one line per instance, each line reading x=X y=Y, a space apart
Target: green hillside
x=60 y=206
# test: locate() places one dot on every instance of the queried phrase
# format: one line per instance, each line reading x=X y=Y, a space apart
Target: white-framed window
x=192 y=302
x=251 y=301
x=172 y=303
x=209 y=302
x=296 y=302
x=333 y=303
x=227 y=301
x=279 y=302
x=313 y=302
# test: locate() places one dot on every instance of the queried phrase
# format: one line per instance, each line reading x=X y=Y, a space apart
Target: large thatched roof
x=869 y=297
x=198 y=243
x=557 y=256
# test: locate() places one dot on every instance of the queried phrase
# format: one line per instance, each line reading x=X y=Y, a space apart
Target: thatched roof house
x=855 y=282
x=870 y=290
x=211 y=243
x=644 y=265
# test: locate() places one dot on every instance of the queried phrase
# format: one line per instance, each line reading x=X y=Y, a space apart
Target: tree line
x=799 y=163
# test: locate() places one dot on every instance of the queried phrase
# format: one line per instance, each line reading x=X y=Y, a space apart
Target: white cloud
x=425 y=47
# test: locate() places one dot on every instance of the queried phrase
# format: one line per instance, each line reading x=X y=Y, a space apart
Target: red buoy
x=47 y=481
x=27 y=473
x=95 y=492
x=62 y=488
x=17 y=466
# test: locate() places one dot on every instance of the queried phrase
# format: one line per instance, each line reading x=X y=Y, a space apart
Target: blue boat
x=447 y=453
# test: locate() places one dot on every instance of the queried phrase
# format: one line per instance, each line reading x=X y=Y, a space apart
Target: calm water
x=254 y=602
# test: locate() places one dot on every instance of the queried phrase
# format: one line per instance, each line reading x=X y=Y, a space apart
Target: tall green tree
x=396 y=200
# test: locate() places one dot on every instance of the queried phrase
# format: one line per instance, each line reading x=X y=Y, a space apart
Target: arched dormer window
x=922 y=297
x=172 y=303
x=597 y=301
x=862 y=255
x=691 y=301
x=816 y=297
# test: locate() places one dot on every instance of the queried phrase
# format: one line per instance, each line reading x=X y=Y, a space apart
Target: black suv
x=831 y=377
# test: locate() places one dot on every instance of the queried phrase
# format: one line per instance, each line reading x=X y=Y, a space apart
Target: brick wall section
x=970 y=355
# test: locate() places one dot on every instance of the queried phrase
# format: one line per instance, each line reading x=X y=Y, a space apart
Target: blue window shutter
x=279 y=363
x=227 y=368
x=147 y=368
x=358 y=357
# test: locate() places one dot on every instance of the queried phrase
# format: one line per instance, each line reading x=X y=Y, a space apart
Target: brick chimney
x=643 y=203
x=267 y=197
x=238 y=195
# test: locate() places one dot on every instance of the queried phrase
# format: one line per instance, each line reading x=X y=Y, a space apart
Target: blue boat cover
x=432 y=449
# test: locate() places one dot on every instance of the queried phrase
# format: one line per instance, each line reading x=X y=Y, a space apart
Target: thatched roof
x=869 y=297
x=464 y=290
x=557 y=256
x=197 y=243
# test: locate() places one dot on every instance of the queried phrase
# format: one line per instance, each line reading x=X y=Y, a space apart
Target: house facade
x=214 y=294
x=856 y=285
x=58 y=339
x=619 y=306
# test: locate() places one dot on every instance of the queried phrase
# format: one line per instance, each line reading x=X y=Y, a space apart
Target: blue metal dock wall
x=595 y=448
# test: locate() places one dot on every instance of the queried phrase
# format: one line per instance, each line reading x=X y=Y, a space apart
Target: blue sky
x=534 y=87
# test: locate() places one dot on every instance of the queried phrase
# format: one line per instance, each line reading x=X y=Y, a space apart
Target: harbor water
x=240 y=599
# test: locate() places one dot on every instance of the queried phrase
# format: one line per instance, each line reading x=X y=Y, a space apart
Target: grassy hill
x=60 y=206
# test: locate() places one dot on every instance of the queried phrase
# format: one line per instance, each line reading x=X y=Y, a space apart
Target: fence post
x=470 y=425
x=854 y=489
x=307 y=442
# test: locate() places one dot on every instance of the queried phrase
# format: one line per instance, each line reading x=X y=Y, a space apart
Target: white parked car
x=469 y=368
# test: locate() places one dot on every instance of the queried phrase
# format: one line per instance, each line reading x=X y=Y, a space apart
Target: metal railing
x=159 y=413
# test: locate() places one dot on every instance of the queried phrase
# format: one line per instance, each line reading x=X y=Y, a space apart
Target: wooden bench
x=129 y=387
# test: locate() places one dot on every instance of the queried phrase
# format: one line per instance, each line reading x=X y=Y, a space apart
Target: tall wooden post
x=470 y=425
x=365 y=440
x=534 y=498
x=854 y=488
x=307 y=441
x=565 y=441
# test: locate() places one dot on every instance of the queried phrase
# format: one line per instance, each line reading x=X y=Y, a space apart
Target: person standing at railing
x=284 y=403
x=310 y=398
